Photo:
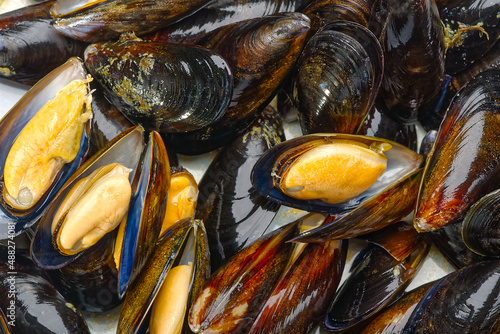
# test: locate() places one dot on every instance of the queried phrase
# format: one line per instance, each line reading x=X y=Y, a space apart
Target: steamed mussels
x=109 y=189
x=44 y=139
x=331 y=173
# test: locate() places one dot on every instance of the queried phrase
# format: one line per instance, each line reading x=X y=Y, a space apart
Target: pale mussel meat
x=44 y=139
x=129 y=177
x=300 y=172
x=163 y=87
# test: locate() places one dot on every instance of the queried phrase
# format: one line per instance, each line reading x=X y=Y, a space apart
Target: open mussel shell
x=337 y=78
x=106 y=19
x=375 y=280
x=146 y=157
x=401 y=161
x=465 y=301
x=186 y=238
x=464 y=164
x=163 y=87
x=481 y=226
x=14 y=221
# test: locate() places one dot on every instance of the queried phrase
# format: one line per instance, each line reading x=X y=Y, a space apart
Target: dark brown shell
x=465 y=160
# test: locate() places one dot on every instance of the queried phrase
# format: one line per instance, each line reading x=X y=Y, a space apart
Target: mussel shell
x=401 y=161
x=379 y=123
x=14 y=122
x=323 y=12
x=150 y=179
x=376 y=281
x=234 y=213
x=481 y=229
x=394 y=318
x=465 y=301
x=221 y=13
x=31 y=305
x=474 y=43
x=31 y=46
x=106 y=20
x=465 y=160
x=301 y=297
x=337 y=78
x=261 y=53
x=163 y=87
x=144 y=290
x=390 y=206
x=232 y=297
x=412 y=39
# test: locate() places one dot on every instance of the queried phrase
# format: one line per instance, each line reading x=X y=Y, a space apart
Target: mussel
x=337 y=78
x=315 y=158
x=163 y=87
x=103 y=20
x=141 y=177
x=44 y=139
x=464 y=164
x=171 y=279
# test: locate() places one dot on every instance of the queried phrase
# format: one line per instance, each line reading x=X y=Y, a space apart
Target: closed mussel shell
x=232 y=297
x=14 y=220
x=337 y=78
x=163 y=87
x=267 y=173
x=261 y=53
x=235 y=215
x=106 y=19
x=148 y=170
x=185 y=237
x=31 y=46
x=465 y=160
x=465 y=301
x=481 y=229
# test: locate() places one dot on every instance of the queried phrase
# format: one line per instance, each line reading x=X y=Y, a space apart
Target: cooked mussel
x=43 y=139
x=464 y=161
x=170 y=281
x=163 y=87
x=132 y=169
x=298 y=172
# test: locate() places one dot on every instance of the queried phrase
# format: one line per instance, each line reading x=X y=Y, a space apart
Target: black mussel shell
x=31 y=46
x=221 y=13
x=465 y=301
x=337 y=78
x=106 y=20
x=401 y=161
x=481 y=226
x=234 y=213
x=12 y=221
x=163 y=87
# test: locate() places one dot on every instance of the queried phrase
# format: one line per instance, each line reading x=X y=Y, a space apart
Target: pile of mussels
x=89 y=171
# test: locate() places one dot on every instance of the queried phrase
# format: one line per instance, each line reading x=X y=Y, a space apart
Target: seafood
x=464 y=164
x=261 y=53
x=106 y=20
x=44 y=137
x=412 y=39
x=193 y=91
x=149 y=178
x=31 y=46
x=234 y=214
x=480 y=229
x=177 y=269
x=268 y=172
x=337 y=78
